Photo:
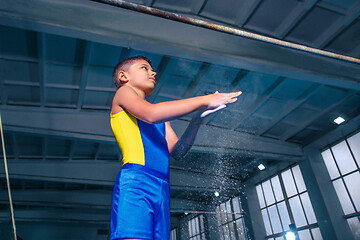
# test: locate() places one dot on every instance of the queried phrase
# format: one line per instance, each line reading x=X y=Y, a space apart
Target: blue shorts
x=140 y=205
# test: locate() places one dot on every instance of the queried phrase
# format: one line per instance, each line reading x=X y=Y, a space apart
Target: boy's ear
x=122 y=77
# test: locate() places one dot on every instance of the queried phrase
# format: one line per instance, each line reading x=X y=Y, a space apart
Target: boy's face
x=141 y=76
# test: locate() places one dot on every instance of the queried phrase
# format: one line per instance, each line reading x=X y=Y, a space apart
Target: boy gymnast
x=141 y=195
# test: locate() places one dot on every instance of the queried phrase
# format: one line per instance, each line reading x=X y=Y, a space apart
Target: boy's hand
x=218 y=101
x=207 y=112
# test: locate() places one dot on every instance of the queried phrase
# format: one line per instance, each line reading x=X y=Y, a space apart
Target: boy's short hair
x=124 y=65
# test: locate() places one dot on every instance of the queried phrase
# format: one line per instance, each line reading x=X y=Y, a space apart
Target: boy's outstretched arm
x=127 y=99
x=178 y=148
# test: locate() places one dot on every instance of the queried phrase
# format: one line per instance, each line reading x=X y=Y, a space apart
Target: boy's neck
x=139 y=92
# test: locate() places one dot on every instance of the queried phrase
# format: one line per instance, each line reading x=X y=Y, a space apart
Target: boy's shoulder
x=127 y=98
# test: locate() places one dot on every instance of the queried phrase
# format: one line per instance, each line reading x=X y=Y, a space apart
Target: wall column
x=323 y=197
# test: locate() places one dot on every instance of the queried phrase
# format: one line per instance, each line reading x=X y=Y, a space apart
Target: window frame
x=286 y=199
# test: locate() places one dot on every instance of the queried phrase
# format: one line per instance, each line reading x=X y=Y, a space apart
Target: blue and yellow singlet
x=141 y=144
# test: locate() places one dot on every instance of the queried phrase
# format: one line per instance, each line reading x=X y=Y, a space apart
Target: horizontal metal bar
x=224 y=29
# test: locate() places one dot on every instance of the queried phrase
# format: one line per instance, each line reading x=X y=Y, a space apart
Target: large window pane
x=275 y=220
x=269 y=196
x=260 y=196
x=240 y=229
x=232 y=230
x=343 y=197
x=289 y=183
x=226 y=232
x=229 y=211
x=221 y=233
x=173 y=234
x=343 y=158
x=304 y=235
x=266 y=222
x=352 y=183
x=202 y=229
x=293 y=197
x=330 y=164
x=193 y=228
x=347 y=157
x=203 y=236
x=284 y=215
x=236 y=206
x=197 y=230
x=190 y=229
x=232 y=227
x=223 y=213
x=316 y=234
x=354 y=143
x=308 y=208
x=298 y=179
x=297 y=211
x=354 y=226
x=218 y=215
x=277 y=188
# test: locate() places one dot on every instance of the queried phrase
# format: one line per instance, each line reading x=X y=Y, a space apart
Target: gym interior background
x=56 y=61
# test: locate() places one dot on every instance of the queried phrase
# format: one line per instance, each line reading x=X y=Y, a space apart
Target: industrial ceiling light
x=290 y=235
x=339 y=120
x=217 y=194
x=261 y=166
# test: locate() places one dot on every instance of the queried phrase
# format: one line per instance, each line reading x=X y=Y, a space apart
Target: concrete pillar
x=184 y=228
x=323 y=197
x=211 y=223
x=253 y=215
x=247 y=219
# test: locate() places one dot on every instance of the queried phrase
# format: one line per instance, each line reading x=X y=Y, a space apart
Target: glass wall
x=231 y=220
x=173 y=234
x=196 y=228
x=284 y=200
x=342 y=162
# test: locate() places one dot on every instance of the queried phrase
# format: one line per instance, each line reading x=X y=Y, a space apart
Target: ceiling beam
x=198 y=43
x=105 y=173
x=81 y=200
x=291 y=133
x=290 y=107
x=339 y=133
x=294 y=17
x=198 y=77
x=41 y=48
x=336 y=28
x=259 y=102
x=58 y=216
x=247 y=9
x=94 y=126
x=83 y=53
x=63 y=216
x=198 y=6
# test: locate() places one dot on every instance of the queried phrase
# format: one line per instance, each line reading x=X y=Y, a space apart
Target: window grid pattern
x=284 y=200
x=196 y=228
x=173 y=234
x=342 y=162
x=231 y=220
